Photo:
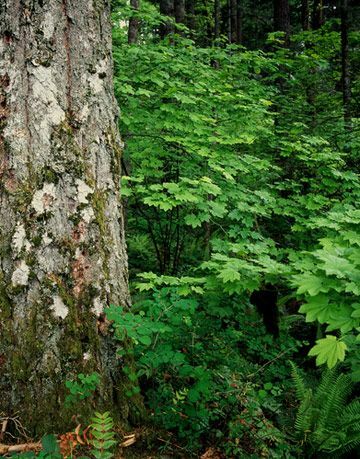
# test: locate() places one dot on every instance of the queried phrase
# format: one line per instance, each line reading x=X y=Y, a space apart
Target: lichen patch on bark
x=87 y=214
x=48 y=25
x=59 y=308
x=43 y=199
x=98 y=307
x=20 y=276
x=19 y=239
x=83 y=190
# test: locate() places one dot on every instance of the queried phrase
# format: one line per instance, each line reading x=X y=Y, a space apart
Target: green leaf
x=317 y=308
x=309 y=283
x=193 y=220
x=328 y=350
x=50 y=444
x=144 y=339
x=341 y=319
x=229 y=275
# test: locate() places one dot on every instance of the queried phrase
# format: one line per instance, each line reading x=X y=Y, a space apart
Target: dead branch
x=5 y=449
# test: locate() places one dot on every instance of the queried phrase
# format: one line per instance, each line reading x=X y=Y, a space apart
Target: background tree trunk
x=233 y=21
x=217 y=19
x=167 y=9
x=282 y=17
x=179 y=11
x=190 y=16
x=134 y=23
x=345 y=62
x=239 y=22
x=318 y=14
x=63 y=252
x=305 y=15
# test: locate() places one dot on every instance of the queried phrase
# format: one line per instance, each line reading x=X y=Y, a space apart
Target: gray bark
x=134 y=23
x=62 y=254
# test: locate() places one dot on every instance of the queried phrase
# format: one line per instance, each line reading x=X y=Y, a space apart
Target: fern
x=103 y=436
x=335 y=402
x=298 y=380
x=324 y=421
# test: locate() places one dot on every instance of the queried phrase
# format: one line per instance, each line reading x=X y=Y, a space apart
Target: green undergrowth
x=240 y=178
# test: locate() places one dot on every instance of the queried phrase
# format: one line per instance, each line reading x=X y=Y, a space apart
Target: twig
x=5 y=449
x=169 y=443
x=270 y=362
x=3 y=427
x=18 y=426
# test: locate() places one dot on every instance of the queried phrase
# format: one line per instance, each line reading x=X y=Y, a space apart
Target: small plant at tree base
x=102 y=431
x=82 y=389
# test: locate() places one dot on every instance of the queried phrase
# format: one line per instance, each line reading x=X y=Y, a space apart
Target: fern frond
x=303 y=421
x=328 y=379
x=300 y=388
x=351 y=443
x=324 y=421
x=350 y=417
x=352 y=409
x=334 y=403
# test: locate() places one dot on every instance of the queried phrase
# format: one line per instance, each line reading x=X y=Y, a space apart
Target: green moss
x=5 y=246
x=66 y=246
x=31 y=260
x=23 y=197
x=62 y=289
x=49 y=176
x=5 y=303
x=117 y=153
x=18 y=366
x=15 y=290
x=72 y=348
x=66 y=150
x=99 y=207
x=36 y=240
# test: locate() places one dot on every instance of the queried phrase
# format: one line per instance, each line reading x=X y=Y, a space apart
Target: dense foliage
x=240 y=177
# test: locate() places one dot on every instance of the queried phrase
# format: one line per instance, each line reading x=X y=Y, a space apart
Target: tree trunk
x=62 y=256
x=190 y=16
x=179 y=11
x=229 y=20
x=167 y=9
x=134 y=23
x=239 y=22
x=282 y=17
x=233 y=20
x=217 y=19
x=318 y=14
x=345 y=63
x=305 y=15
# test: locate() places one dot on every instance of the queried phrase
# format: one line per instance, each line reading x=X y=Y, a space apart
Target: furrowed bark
x=63 y=256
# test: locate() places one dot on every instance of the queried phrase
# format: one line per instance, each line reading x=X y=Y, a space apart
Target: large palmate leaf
x=328 y=350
